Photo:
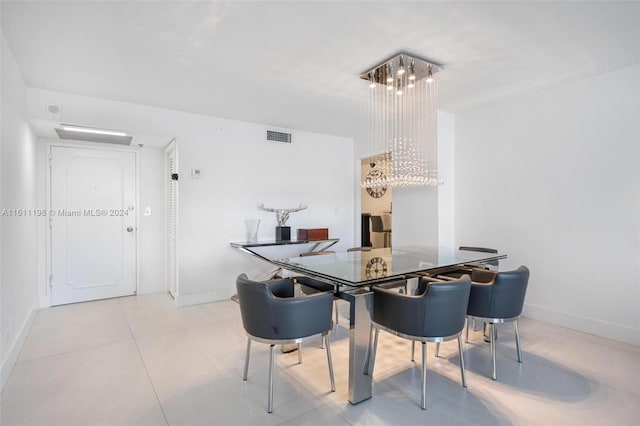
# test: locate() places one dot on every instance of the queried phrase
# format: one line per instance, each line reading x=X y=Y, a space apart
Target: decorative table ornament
x=283 y=232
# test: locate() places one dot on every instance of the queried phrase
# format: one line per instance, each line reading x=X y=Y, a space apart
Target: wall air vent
x=278 y=136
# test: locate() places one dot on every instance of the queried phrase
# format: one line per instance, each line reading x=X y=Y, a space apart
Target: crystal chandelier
x=401 y=115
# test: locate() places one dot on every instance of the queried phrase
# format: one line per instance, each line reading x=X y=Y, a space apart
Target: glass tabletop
x=368 y=267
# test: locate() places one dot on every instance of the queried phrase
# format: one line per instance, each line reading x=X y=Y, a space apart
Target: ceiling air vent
x=278 y=136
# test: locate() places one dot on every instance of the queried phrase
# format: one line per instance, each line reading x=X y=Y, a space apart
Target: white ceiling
x=296 y=64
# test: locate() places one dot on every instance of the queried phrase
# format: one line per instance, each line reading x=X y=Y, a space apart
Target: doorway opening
x=376 y=207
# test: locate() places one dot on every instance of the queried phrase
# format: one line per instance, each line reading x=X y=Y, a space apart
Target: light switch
x=196 y=173
x=147 y=211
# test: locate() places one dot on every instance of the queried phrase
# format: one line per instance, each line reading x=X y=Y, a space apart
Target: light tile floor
x=139 y=360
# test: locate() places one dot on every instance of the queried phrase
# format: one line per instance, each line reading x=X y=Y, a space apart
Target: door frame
x=173 y=144
x=47 y=295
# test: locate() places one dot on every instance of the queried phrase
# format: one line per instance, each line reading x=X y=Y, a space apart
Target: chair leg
x=326 y=343
x=515 y=326
x=437 y=349
x=270 y=403
x=423 y=376
x=492 y=341
x=373 y=352
x=299 y=353
x=413 y=350
x=462 y=373
x=466 y=338
x=246 y=360
x=495 y=332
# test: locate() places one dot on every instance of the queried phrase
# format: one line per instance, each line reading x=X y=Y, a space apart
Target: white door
x=172 y=204
x=93 y=220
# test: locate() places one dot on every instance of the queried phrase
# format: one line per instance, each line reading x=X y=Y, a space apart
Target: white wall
x=239 y=170
x=446 y=176
x=18 y=259
x=424 y=215
x=552 y=179
x=151 y=229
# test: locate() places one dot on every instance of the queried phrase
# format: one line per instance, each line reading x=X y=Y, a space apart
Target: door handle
x=130 y=228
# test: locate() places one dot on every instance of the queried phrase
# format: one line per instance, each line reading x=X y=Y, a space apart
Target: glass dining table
x=352 y=274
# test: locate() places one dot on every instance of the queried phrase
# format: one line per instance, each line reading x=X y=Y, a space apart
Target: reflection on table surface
x=363 y=268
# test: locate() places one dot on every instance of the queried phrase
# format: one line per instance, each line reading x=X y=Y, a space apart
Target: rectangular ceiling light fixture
x=91 y=134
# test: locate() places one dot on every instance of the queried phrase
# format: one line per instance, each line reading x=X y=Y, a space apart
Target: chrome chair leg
x=423 y=377
x=413 y=350
x=495 y=332
x=246 y=360
x=466 y=338
x=270 y=404
x=492 y=341
x=299 y=353
x=437 y=349
x=326 y=343
x=462 y=373
x=515 y=326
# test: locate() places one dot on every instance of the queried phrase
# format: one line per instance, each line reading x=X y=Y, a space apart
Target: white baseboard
x=609 y=330
x=16 y=346
x=204 y=297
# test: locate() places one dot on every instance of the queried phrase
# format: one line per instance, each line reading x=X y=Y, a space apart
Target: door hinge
x=51 y=281
x=50 y=160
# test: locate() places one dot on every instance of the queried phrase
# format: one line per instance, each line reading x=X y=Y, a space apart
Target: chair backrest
x=317 y=253
x=359 y=249
x=505 y=297
x=446 y=307
x=439 y=311
x=256 y=304
x=376 y=224
x=495 y=263
x=269 y=310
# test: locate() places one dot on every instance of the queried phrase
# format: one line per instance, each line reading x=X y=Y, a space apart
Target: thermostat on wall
x=196 y=173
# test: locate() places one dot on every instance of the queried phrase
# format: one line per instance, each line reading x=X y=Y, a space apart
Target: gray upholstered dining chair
x=479 y=273
x=312 y=285
x=272 y=315
x=499 y=301
x=493 y=263
x=435 y=315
